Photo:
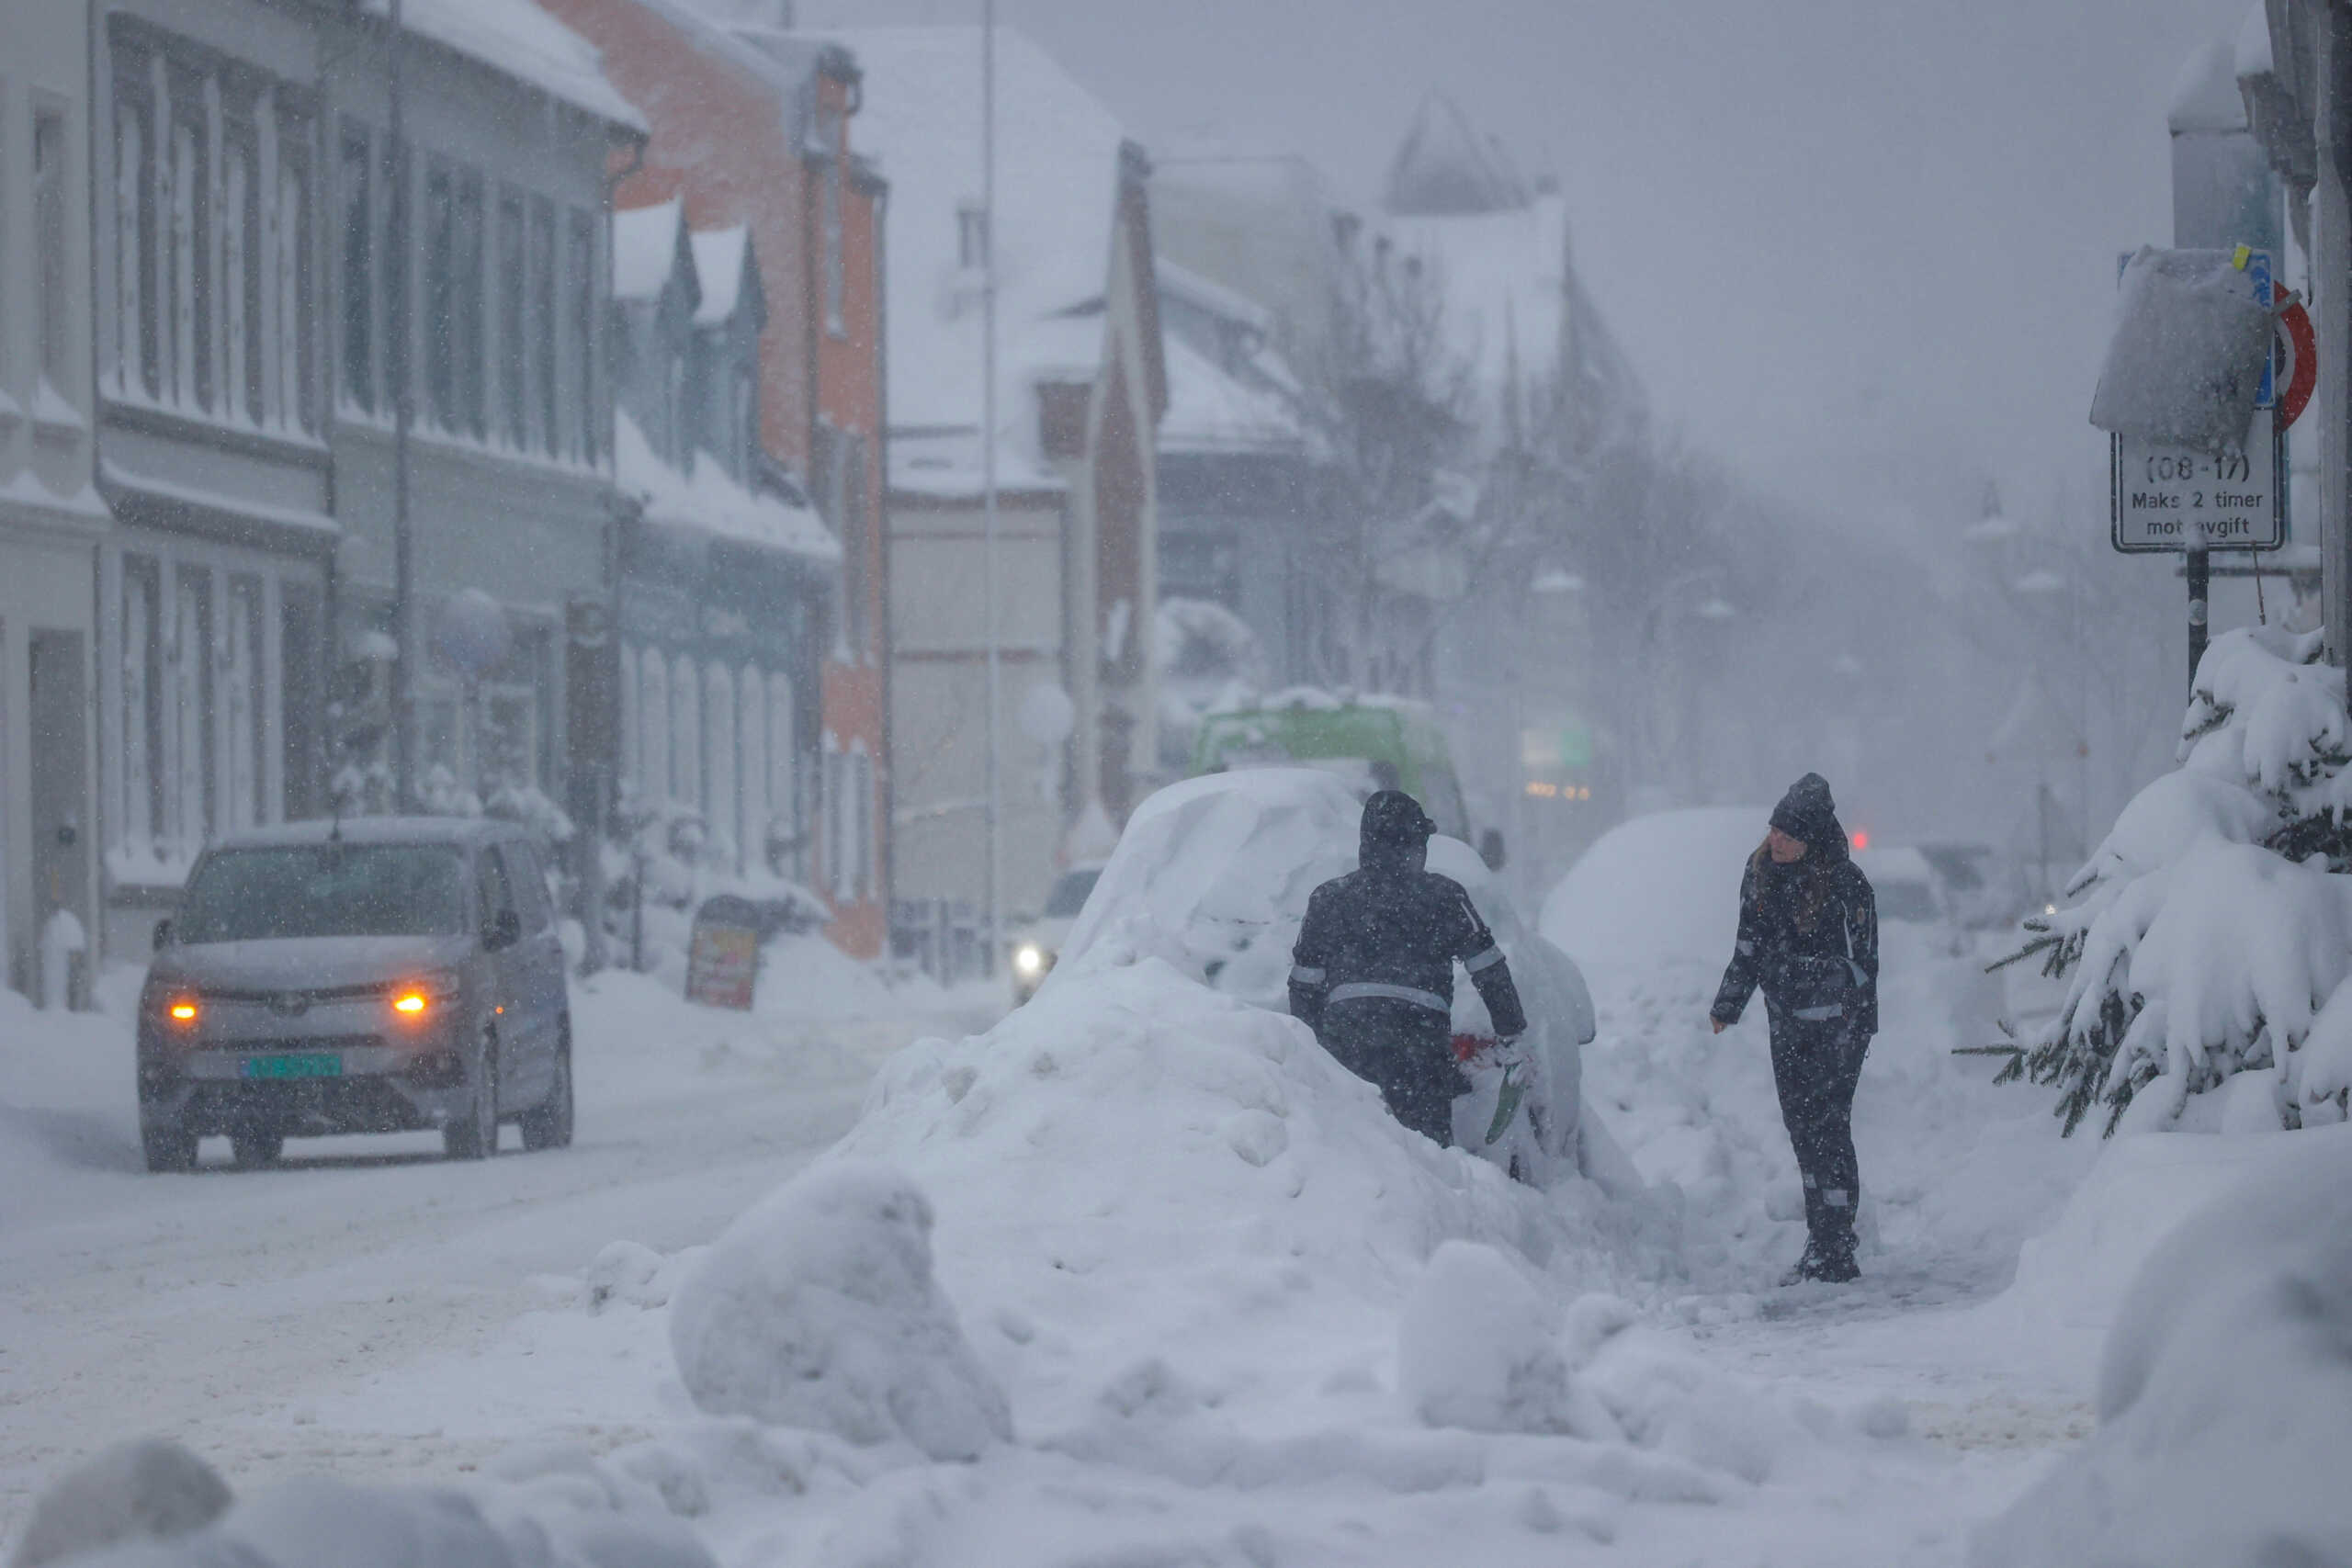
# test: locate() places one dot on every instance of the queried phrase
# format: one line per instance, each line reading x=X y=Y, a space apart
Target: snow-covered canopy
x=518 y=39
x=1058 y=180
x=645 y=249
x=710 y=501
x=722 y=257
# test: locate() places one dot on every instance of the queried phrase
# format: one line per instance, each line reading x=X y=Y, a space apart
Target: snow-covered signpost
x=2189 y=389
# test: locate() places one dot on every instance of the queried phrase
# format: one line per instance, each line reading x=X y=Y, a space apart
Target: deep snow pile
x=2225 y=1392
x=149 y=1504
x=818 y=1309
x=1241 y=1314
x=1133 y=1168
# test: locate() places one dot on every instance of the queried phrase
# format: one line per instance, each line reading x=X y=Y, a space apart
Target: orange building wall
x=721 y=139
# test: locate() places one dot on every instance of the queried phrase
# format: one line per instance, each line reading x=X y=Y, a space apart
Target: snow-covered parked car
x=1036 y=945
x=1213 y=876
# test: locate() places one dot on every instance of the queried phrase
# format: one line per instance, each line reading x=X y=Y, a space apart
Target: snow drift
x=1135 y=1167
x=151 y=1504
x=2225 y=1393
x=818 y=1309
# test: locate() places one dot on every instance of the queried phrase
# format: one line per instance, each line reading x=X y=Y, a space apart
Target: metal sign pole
x=995 y=880
x=2200 y=575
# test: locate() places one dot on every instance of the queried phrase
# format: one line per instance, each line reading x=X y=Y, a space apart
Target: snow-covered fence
x=2210 y=934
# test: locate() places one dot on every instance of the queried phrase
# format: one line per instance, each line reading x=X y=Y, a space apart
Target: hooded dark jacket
x=1809 y=931
x=1392 y=930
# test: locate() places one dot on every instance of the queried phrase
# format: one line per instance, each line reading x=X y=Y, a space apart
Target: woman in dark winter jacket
x=1808 y=938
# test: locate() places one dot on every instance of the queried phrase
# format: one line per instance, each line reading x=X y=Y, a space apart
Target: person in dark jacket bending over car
x=1373 y=972
x=1808 y=937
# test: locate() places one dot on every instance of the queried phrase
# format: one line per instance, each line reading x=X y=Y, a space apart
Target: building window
x=440 y=294
x=187 y=716
x=134 y=230
x=514 y=404
x=746 y=432
x=240 y=277
x=653 y=752
x=49 y=246
x=241 y=684
x=543 y=324
x=358 y=267
x=471 y=347
x=685 y=734
x=835 y=281
x=676 y=447
x=142 y=711
x=290 y=275
x=722 y=765
x=630 y=764
x=784 y=777
x=752 y=741
x=861 y=816
x=849 y=481
x=190 y=294
x=580 y=366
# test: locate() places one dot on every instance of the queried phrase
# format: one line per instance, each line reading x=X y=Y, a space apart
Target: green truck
x=1373 y=746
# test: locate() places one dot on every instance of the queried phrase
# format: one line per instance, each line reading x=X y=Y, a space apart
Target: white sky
x=1863 y=248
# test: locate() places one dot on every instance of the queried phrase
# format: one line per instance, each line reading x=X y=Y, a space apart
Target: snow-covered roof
x=1446 y=167
x=1207 y=293
x=1514 y=311
x=1058 y=180
x=2205 y=97
x=710 y=501
x=1209 y=411
x=720 y=258
x=645 y=248
x=518 y=39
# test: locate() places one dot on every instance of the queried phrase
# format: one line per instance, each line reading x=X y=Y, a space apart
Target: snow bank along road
x=225 y=1308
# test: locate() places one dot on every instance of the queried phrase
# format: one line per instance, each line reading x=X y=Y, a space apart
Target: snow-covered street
x=236 y=1310
x=1203 y=1351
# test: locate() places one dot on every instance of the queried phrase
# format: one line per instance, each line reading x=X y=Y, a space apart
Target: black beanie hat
x=1806 y=813
x=1392 y=818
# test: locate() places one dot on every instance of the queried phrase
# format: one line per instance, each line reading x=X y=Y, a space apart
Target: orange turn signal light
x=411 y=1003
x=182 y=1012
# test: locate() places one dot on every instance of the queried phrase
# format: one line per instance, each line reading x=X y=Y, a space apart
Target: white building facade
x=51 y=520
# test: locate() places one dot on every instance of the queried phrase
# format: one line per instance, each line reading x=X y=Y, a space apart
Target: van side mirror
x=1491 y=849
x=163 y=932
x=505 y=930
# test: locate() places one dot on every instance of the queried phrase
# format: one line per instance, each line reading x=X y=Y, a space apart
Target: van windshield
x=301 y=890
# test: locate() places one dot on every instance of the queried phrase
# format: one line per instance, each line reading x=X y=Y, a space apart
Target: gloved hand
x=1511 y=1051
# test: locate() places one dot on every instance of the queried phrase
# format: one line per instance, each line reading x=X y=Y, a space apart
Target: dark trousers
x=1406 y=1051
x=1815 y=1067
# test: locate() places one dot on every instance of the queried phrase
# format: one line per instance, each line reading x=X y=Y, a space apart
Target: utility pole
x=396 y=359
x=995 y=883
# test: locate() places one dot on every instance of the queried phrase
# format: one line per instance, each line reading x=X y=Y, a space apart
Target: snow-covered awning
x=710 y=501
x=518 y=39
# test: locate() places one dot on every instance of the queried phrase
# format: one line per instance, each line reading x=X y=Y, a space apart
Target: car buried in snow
x=376 y=975
x=1036 y=945
x=1212 y=875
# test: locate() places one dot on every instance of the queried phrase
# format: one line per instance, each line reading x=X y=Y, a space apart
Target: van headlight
x=1029 y=960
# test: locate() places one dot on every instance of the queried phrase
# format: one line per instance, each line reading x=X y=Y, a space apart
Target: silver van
x=377 y=975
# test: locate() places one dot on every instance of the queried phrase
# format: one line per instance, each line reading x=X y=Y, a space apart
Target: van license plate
x=316 y=1065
